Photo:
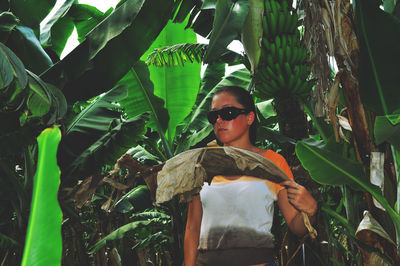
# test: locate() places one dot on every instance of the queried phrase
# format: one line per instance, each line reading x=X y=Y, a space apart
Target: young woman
x=229 y=222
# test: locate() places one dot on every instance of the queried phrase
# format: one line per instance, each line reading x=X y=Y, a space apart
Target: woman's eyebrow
x=223 y=106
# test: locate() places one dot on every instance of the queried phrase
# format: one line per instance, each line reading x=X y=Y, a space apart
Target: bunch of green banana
x=282 y=69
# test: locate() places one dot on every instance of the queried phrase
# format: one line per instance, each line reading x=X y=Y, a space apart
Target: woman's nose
x=219 y=119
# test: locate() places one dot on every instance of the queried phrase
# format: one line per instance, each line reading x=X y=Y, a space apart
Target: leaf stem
x=313 y=118
x=340 y=218
x=396 y=161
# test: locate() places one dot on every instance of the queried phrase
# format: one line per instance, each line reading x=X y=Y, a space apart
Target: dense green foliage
x=109 y=99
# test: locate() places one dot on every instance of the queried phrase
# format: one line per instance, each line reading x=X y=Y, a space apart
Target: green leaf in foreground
x=327 y=167
x=385 y=130
x=43 y=244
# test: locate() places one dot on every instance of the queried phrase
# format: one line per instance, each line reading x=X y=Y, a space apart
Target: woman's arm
x=192 y=232
x=293 y=199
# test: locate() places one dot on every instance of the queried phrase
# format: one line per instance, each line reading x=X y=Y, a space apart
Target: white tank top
x=237 y=213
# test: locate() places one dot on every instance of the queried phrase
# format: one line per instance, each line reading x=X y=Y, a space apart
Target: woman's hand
x=300 y=198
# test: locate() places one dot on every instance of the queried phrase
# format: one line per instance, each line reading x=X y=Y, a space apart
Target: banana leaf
x=177 y=85
x=11 y=66
x=213 y=74
x=39 y=101
x=13 y=80
x=186 y=173
x=98 y=136
x=8 y=22
x=43 y=99
x=341 y=170
x=196 y=127
x=27 y=47
x=128 y=230
x=86 y=18
x=379 y=57
x=43 y=245
x=136 y=200
x=327 y=167
x=184 y=10
x=143 y=156
x=31 y=12
x=55 y=31
x=141 y=97
x=389 y=5
x=202 y=22
x=386 y=130
x=228 y=22
x=110 y=49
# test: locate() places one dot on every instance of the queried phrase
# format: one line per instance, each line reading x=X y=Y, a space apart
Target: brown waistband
x=234 y=256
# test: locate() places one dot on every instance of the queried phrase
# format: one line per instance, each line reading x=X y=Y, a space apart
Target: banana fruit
x=282 y=69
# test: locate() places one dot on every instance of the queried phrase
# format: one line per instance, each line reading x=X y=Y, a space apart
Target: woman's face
x=235 y=131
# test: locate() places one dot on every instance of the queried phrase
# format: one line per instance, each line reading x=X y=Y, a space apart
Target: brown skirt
x=234 y=257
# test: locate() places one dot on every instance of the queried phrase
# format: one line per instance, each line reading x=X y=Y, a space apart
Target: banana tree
x=374 y=96
x=29 y=103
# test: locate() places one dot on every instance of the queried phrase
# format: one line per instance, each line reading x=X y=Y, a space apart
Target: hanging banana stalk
x=280 y=60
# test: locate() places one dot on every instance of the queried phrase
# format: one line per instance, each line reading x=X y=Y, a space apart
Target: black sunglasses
x=226 y=113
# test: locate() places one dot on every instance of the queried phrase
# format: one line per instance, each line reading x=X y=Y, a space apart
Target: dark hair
x=243 y=97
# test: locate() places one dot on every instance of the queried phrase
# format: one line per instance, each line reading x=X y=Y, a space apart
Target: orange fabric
x=281 y=163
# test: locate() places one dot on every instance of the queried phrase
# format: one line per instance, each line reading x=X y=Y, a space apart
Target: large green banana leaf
x=86 y=17
x=31 y=12
x=228 y=22
x=42 y=98
x=56 y=31
x=389 y=5
x=8 y=22
x=110 y=49
x=26 y=46
x=379 y=57
x=341 y=170
x=58 y=28
x=327 y=167
x=121 y=136
x=43 y=245
x=98 y=136
x=11 y=68
x=176 y=85
x=213 y=74
x=23 y=92
x=141 y=97
x=196 y=126
x=387 y=128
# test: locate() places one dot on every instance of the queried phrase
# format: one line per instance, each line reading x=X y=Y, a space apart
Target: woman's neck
x=245 y=145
